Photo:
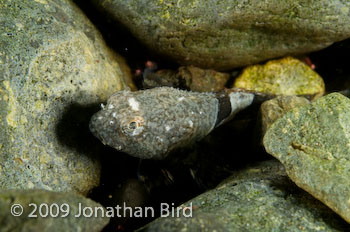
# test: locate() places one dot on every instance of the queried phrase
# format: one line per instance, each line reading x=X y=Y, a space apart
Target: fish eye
x=133 y=126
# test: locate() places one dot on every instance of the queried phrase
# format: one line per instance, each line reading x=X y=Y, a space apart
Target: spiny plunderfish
x=151 y=123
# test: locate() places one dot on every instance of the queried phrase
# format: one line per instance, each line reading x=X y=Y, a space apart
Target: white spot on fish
x=190 y=123
x=181 y=98
x=110 y=106
x=102 y=106
x=99 y=118
x=167 y=128
x=134 y=104
x=114 y=115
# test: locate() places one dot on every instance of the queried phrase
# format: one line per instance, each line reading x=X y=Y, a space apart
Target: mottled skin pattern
x=150 y=123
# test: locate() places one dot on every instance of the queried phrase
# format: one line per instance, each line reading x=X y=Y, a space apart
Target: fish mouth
x=103 y=131
x=96 y=125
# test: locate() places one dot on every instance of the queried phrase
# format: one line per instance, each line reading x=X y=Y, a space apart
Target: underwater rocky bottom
x=281 y=164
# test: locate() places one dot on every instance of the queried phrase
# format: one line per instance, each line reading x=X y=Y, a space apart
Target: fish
x=151 y=123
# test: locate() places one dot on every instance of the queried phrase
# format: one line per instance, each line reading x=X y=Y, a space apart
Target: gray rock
x=67 y=202
x=227 y=34
x=313 y=144
x=273 y=109
x=257 y=198
x=53 y=66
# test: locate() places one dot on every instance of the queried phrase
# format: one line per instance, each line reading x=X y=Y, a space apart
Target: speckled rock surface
x=69 y=222
x=53 y=66
x=257 y=198
x=227 y=34
x=273 y=109
x=314 y=145
x=287 y=76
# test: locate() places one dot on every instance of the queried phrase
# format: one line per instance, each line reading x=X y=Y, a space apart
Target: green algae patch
x=287 y=76
x=313 y=143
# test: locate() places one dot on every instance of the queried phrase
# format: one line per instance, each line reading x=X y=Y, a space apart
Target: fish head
x=125 y=124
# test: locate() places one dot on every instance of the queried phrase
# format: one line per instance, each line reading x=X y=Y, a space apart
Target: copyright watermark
x=63 y=210
x=16 y=210
x=42 y=210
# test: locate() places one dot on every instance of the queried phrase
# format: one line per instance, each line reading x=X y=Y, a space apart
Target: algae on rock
x=313 y=143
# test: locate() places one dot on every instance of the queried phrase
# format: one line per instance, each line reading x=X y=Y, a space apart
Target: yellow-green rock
x=287 y=76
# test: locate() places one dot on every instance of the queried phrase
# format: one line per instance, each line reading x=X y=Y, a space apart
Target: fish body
x=151 y=123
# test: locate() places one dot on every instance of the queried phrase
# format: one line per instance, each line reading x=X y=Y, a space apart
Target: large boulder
x=227 y=34
x=53 y=66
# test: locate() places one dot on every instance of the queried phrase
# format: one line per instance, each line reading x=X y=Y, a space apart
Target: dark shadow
x=332 y=64
x=73 y=129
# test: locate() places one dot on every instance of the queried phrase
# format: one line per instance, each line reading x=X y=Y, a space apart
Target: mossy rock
x=313 y=143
